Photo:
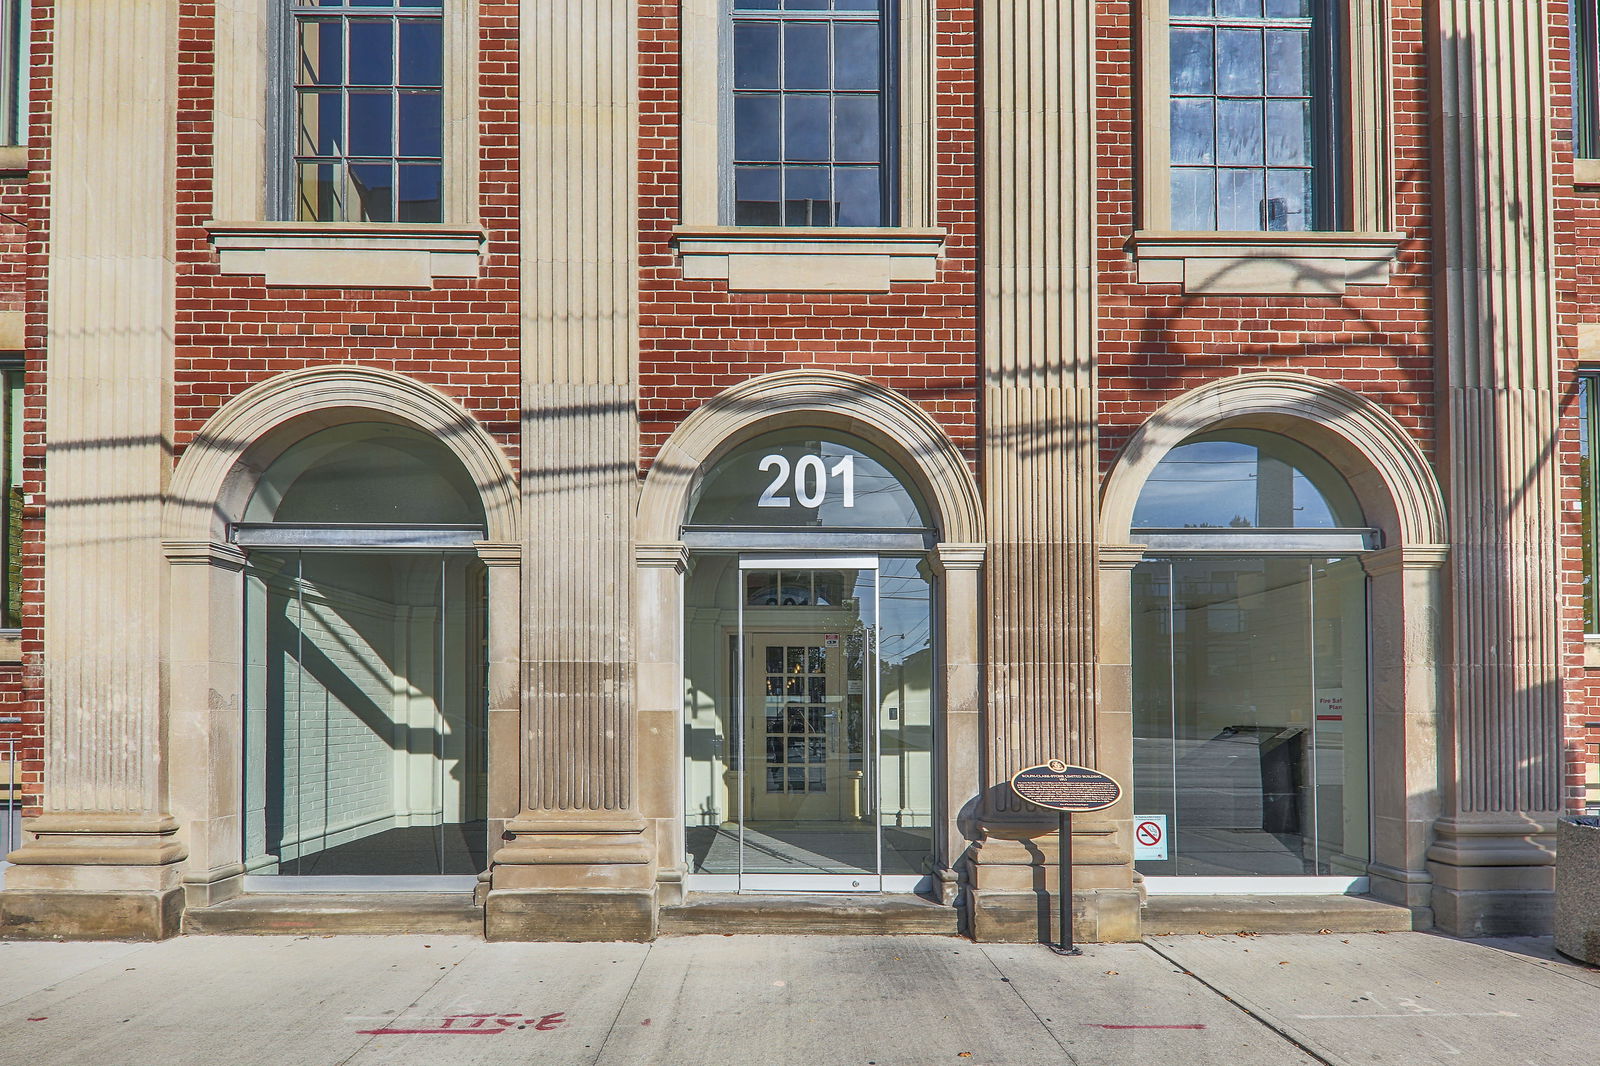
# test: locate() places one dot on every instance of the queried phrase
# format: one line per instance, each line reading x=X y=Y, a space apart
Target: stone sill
x=1264 y=264
x=13 y=159
x=337 y=255
x=10 y=647
x=1586 y=172
x=1591 y=652
x=809 y=259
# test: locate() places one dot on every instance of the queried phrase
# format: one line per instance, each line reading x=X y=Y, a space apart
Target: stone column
x=99 y=860
x=1040 y=435
x=206 y=716
x=503 y=591
x=659 y=584
x=960 y=740
x=578 y=862
x=1497 y=379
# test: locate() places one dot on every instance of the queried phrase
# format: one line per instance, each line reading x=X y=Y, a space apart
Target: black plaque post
x=1062 y=788
x=1064 y=883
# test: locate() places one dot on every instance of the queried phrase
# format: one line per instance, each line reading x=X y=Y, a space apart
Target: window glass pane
x=856 y=133
x=1288 y=9
x=855 y=5
x=755 y=55
x=371 y=52
x=1191 y=60
x=805 y=55
x=1240 y=133
x=1288 y=63
x=1245 y=479
x=806 y=197
x=756 y=127
x=372 y=185
x=757 y=192
x=421 y=52
x=13 y=497
x=806 y=5
x=321 y=125
x=1192 y=137
x=1586 y=497
x=1239 y=199
x=1289 y=132
x=1238 y=62
x=321 y=52
x=1189 y=7
x=855 y=55
x=805 y=128
x=1193 y=198
x=420 y=199
x=859 y=194
x=1245 y=9
x=319 y=193
x=421 y=124
x=371 y=124
x=1288 y=199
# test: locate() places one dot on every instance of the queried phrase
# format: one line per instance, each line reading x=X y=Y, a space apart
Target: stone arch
x=812 y=398
x=1390 y=476
x=217 y=472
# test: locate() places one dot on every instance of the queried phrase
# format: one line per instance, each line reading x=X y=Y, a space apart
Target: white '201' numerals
x=812 y=478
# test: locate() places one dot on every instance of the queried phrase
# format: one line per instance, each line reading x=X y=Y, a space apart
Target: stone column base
x=1493 y=879
x=56 y=915
x=94 y=876
x=572 y=881
x=1012 y=884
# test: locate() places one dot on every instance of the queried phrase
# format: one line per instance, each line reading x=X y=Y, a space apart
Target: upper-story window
x=812 y=103
x=368 y=122
x=14 y=25
x=1586 y=79
x=1254 y=114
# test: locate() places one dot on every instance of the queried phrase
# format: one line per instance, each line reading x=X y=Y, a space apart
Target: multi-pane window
x=1589 y=494
x=368 y=110
x=1586 y=79
x=14 y=24
x=1252 y=114
x=11 y=490
x=812 y=113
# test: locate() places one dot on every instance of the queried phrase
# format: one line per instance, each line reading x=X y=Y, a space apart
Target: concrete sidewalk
x=1407 y=998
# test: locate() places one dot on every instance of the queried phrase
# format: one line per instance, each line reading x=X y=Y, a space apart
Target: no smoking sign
x=1150 y=836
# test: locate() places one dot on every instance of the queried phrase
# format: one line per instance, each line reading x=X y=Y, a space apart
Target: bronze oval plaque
x=1061 y=787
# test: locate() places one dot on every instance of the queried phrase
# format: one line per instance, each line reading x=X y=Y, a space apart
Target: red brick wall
x=461 y=336
x=1157 y=342
x=697 y=338
x=1577 y=258
x=21 y=688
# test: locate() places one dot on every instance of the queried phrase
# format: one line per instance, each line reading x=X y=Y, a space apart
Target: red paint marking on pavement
x=419 y=1032
x=1103 y=1025
x=45 y=1018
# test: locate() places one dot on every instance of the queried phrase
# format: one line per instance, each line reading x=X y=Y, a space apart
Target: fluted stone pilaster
x=1498 y=386
x=1039 y=400
x=578 y=848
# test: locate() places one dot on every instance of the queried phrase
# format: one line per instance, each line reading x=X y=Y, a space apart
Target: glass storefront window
x=1245 y=479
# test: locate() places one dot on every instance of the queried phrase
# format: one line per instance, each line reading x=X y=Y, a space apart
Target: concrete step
x=1170 y=915
x=706 y=912
x=303 y=914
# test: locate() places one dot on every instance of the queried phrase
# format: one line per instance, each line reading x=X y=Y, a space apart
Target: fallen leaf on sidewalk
x=963 y=1054
x=1111 y=973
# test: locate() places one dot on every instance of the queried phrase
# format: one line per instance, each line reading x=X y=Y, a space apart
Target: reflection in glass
x=1244 y=479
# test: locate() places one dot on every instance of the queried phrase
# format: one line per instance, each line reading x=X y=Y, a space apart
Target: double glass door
x=810 y=737
x=364 y=718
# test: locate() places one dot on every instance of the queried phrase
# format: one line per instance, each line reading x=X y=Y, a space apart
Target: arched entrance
x=364 y=643
x=809 y=559
x=342 y=542
x=1372 y=522
x=1249 y=616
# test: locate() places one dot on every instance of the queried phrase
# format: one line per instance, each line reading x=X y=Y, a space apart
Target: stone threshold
x=313 y=914
x=1176 y=915
x=837 y=915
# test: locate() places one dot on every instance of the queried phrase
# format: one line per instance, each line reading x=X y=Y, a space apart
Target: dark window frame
x=286 y=123
x=1326 y=25
x=1588 y=390
x=887 y=16
x=1586 y=79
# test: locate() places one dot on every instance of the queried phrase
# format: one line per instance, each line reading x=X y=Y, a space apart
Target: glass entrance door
x=1250 y=716
x=809 y=751
x=364 y=724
